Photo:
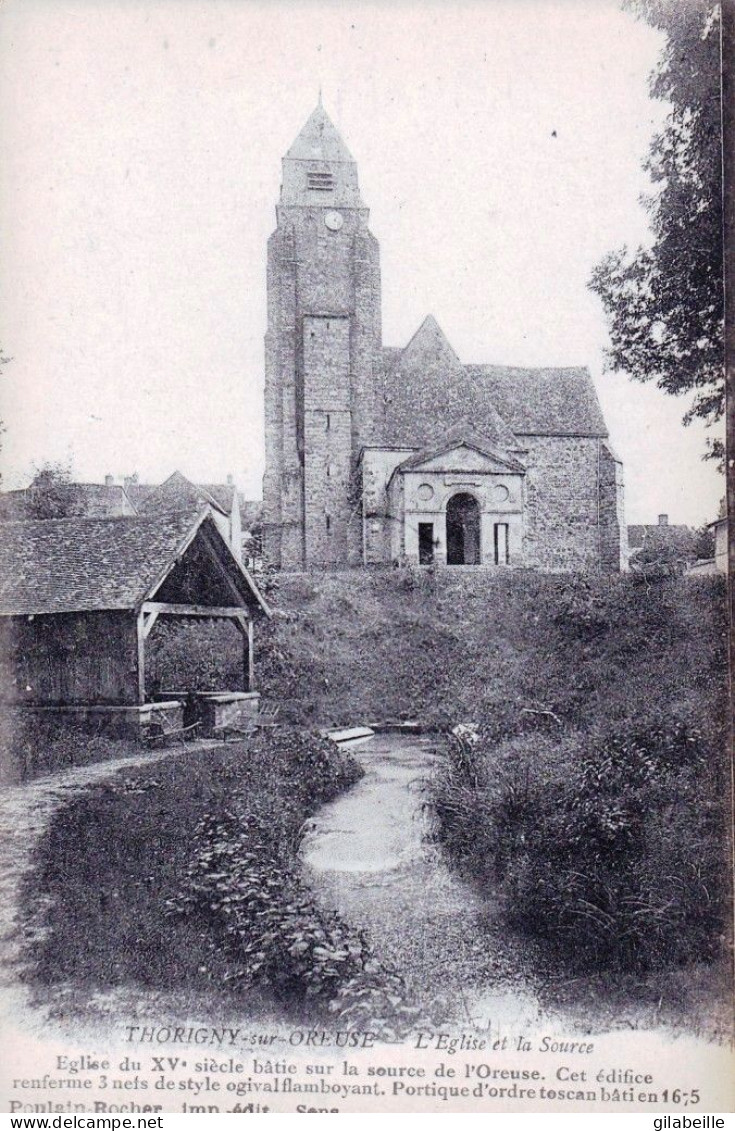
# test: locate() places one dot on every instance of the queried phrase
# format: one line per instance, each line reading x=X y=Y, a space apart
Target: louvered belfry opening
x=320 y=182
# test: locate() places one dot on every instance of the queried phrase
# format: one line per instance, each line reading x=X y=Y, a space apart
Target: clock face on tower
x=334 y=221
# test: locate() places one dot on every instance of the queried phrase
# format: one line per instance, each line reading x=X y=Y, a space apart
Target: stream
x=369 y=855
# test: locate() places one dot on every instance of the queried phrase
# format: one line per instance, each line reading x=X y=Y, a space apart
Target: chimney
x=663 y=520
x=230 y=481
x=109 y=481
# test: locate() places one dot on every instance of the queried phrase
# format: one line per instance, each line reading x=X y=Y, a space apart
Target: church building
x=378 y=455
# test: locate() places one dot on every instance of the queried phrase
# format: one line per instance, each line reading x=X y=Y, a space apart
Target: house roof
x=221 y=495
x=655 y=535
x=177 y=493
x=541 y=402
x=86 y=564
x=96 y=500
x=224 y=494
x=426 y=388
x=138 y=492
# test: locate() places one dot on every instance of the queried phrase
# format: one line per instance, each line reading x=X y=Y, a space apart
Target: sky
x=499 y=146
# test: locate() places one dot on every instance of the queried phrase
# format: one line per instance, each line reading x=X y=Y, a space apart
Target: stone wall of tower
x=327 y=438
x=283 y=478
x=613 y=530
x=322 y=354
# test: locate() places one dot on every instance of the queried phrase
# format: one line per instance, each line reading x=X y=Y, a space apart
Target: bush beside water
x=605 y=829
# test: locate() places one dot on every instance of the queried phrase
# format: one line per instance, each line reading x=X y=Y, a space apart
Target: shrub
x=611 y=848
x=33 y=745
x=197 y=655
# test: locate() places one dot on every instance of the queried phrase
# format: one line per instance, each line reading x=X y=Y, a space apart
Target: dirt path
x=368 y=855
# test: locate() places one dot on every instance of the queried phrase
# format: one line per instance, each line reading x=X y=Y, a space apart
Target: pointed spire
x=319 y=170
x=319 y=140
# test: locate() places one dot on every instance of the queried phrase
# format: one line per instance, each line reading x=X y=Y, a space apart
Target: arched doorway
x=463 y=530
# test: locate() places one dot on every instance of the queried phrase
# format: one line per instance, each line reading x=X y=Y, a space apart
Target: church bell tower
x=322 y=351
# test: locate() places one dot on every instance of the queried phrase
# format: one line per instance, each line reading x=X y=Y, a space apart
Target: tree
x=52 y=494
x=665 y=303
x=704 y=542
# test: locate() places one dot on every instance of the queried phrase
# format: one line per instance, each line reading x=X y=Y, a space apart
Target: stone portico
x=458 y=503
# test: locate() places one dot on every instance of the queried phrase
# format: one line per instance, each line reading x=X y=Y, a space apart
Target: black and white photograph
x=365 y=731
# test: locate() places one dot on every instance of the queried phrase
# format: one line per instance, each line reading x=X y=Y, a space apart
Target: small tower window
x=320 y=182
x=329 y=524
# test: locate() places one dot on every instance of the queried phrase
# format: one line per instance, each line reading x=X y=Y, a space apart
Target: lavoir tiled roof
x=81 y=564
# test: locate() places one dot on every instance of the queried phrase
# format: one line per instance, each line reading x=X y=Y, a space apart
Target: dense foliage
x=665 y=302
x=32 y=747
x=202 y=655
x=463 y=646
x=53 y=494
x=605 y=832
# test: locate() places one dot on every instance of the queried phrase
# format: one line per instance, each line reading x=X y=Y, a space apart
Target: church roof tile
x=427 y=389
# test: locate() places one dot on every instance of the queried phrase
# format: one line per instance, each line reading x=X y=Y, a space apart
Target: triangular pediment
x=462 y=457
x=462 y=450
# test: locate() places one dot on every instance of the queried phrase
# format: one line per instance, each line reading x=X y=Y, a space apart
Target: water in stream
x=369 y=855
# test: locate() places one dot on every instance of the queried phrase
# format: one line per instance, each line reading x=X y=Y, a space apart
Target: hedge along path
x=26 y=811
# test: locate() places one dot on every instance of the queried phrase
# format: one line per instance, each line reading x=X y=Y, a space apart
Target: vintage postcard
x=363 y=558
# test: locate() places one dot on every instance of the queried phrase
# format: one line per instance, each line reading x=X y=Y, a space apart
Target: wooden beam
x=140 y=630
x=245 y=624
x=251 y=659
x=218 y=611
x=148 y=621
x=224 y=572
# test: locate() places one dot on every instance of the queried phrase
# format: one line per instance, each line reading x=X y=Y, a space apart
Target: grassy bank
x=452 y=646
x=183 y=875
x=600 y=812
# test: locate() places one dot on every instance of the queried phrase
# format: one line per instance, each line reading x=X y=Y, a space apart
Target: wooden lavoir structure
x=80 y=597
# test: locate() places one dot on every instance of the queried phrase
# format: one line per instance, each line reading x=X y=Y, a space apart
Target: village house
x=118 y=500
x=377 y=455
x=177 y=493
x=719 y=562
x=91 y=500
x=80 y=599
x=672 y=540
